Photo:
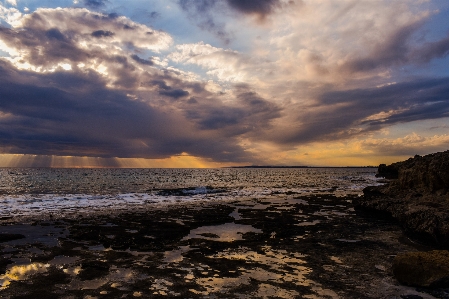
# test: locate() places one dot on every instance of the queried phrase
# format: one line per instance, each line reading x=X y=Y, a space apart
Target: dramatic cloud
x=367 y=110
x=431 y=50
x=40 y=116
x=260 y=7
x=208 y=14
x=225 y=80
x=75 y=98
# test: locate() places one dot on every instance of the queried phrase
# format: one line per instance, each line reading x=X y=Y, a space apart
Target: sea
x=34 y=191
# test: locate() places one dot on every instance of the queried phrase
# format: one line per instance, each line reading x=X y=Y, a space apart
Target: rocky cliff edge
x=417 y=195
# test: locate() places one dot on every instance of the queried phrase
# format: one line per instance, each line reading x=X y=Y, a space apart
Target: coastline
x=416 y=195
x=254 y=248
x=285 y=241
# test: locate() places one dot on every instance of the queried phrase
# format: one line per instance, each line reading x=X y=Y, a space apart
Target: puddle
x=227 y=232
x=336 y=259
x=270 y=291
x=21 y=272
x=63 y=260
x=175 y=256
x=308 y=223
x=236 y=215
x=348 y=241
x=45 y=235
x=271 y=269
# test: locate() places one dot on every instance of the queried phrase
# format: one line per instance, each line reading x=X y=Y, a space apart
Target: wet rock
x=93 y=269
x=4 y=262
x=423 y=269
x=10 y=237
x=418 y=197
x=388 y=172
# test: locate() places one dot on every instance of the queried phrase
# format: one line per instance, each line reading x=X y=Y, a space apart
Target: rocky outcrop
x=423 y=269
x=417 y=195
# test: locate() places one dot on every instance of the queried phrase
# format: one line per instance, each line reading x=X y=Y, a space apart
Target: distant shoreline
x=233 y=167
x=272 y=166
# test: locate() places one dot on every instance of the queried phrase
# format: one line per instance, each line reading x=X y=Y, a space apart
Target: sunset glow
x=186 y=83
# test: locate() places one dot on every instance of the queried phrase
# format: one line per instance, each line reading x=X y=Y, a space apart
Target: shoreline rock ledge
x=416 y=195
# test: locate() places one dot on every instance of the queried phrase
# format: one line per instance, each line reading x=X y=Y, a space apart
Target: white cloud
x=11 y=15
x=94 y=38
x=412 y=143
x=384 y=115
x=224 y=64
x=12 y=2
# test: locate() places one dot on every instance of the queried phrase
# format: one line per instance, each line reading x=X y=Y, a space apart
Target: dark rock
x=388 y=172
x=10 y=237
x=426 y=174
x=423 y=269
x=93 y=269
x=417 y=195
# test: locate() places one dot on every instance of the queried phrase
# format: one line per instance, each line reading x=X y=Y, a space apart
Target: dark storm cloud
x=250 y=116
x=102 y=33
x=44 y=46
x=204 y=12
x=174 y=93
x=260 y=7
x=141 y=60
x=50 y=117
x=342 y=114
x=75 y=113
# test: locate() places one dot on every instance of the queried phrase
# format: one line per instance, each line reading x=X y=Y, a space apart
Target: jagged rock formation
x=417 y=195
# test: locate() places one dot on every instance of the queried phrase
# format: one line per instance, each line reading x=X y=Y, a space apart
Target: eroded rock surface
x=417 y=195
x=423 y=269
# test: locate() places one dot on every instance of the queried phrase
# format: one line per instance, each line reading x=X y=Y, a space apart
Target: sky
x=214 y=83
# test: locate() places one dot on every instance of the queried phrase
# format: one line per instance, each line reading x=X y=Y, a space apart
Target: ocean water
x=32 y=191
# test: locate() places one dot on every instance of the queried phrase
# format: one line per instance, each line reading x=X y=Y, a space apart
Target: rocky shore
x=416 y=194
x=314 y=246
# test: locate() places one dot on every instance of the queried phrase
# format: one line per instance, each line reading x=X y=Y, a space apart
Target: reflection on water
x=162 y=287
x=21 y=272
x=270 y=291
x=175 y=256
x=227 y=232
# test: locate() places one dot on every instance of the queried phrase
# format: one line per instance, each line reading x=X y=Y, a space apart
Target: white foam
x=285 y=186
